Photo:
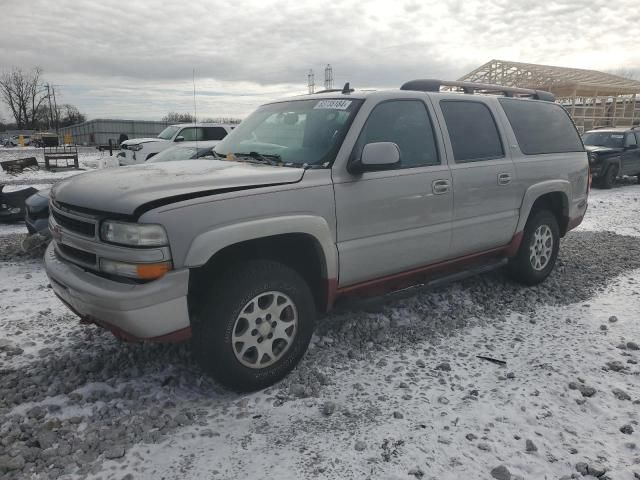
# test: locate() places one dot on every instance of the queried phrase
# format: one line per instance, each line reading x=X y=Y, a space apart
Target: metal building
x=594 y=99
x=99 y=131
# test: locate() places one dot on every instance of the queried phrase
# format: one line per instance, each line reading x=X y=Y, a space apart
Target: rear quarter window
x=541 y=127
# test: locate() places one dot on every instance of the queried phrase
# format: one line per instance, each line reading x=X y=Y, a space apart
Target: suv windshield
x=604 y=139
x=299 y=132
x=168 y=133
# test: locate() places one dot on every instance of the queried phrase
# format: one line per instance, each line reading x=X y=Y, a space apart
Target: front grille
x=73 y=225
x=76 y=254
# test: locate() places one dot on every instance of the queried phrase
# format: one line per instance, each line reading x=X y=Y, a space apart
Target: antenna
x=328 y=77
x=195 y=111
x=311 y=82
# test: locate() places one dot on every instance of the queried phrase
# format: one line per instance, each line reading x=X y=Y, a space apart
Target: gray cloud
x=249 y=48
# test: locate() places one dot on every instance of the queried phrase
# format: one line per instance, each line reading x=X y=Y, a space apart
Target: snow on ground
x=438 y=410
x=617 y=210
x=88 y=158
x=391 y=392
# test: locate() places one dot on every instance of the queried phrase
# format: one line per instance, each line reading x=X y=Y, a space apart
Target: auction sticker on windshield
x=333 y=104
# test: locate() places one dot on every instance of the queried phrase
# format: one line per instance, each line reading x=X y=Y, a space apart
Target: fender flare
x=207 y=244
x=539 y=189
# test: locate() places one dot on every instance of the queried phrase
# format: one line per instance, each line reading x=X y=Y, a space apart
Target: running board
x=349 y=302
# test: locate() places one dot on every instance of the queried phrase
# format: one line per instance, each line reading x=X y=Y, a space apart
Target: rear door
x=396 y=220
x=486 y=197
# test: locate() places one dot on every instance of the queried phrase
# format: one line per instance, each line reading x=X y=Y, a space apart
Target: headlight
x=141 y=271
x=133 y=234
x=135 y=148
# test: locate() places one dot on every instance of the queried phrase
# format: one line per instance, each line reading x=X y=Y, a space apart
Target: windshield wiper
x=269 y=159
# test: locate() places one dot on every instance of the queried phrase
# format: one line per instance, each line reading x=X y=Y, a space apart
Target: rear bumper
x=152 y=311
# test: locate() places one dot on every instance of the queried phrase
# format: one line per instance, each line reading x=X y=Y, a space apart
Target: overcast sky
x=134 y=59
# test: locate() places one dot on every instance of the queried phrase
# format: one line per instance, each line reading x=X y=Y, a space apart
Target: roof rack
x=432 y=85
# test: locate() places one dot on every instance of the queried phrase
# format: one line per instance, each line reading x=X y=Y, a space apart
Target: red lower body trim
x=574 y=222
x=172 y=337
x=514 y=246
x=397 y=281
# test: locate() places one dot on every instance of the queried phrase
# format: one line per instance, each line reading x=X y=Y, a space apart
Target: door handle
x=504 y=178
x=440 y=186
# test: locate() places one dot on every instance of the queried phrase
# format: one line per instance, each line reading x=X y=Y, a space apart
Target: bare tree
x=70 y=115
x=175 y=117
x=23 y=93
x=231 y=120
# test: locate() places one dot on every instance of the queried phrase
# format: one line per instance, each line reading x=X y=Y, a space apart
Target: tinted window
x=191 y=134
x=405 y=123
x=214 y=133
x=630 y=139
x=541 y=127
x=472 y=130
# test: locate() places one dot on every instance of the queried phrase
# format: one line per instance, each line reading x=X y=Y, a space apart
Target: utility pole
x=56 y=108
x=311 y=82
x=50 y=108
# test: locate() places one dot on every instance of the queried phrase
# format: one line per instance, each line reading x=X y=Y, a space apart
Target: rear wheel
x=539 y=249
x=253 y=324
x=609 y=177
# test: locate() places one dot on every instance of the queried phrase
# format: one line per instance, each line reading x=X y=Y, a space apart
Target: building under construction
x=594 y=99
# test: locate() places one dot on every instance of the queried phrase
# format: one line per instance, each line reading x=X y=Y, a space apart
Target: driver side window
x=405 y=123
x=190 y=134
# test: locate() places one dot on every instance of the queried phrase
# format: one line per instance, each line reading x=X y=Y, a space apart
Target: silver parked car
x=314 y=199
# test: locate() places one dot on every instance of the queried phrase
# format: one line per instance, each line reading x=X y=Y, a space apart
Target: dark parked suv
x=613 y=152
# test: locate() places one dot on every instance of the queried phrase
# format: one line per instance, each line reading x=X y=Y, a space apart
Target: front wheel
x=609 y=177
x=539 y=249
x=253 y=324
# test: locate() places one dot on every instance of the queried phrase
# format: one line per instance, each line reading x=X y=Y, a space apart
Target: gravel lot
x=394 y=390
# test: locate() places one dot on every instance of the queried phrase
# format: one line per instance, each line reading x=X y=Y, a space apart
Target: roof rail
x=346 y=89
x=432 y=85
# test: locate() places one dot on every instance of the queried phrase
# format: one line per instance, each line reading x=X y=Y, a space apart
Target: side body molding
x=207 y=244
x=536 y=191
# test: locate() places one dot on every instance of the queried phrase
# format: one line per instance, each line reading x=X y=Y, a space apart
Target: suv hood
x=137 y=141
x=599 y=149
x=133 y=190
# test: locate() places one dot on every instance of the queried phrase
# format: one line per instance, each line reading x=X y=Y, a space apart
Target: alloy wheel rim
x=541 y=247
x=264 y=329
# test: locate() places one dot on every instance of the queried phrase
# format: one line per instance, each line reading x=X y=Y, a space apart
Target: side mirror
x=179 y=139
x=376 y=156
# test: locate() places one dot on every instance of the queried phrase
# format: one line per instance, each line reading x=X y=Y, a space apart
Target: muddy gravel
x=86 y=397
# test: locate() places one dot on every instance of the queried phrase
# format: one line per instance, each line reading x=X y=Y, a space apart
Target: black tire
x=521 y=267
x=609 y=177
x=220 y=305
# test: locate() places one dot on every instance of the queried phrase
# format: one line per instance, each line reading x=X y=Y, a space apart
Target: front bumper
x=151 y=311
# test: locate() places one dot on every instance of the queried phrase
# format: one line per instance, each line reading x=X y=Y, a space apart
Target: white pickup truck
x=139 y=150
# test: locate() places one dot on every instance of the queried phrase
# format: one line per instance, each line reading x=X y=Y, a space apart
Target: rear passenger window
x=630 y=139
x=541 y=127
x=472 y=130
x=214 y=133
x=405 y=123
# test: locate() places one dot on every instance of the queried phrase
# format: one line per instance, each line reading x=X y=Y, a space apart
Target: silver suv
x=313 y=199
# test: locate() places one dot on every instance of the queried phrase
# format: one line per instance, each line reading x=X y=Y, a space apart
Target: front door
x=395 y=220
x=486 y=197
x=630 y=157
